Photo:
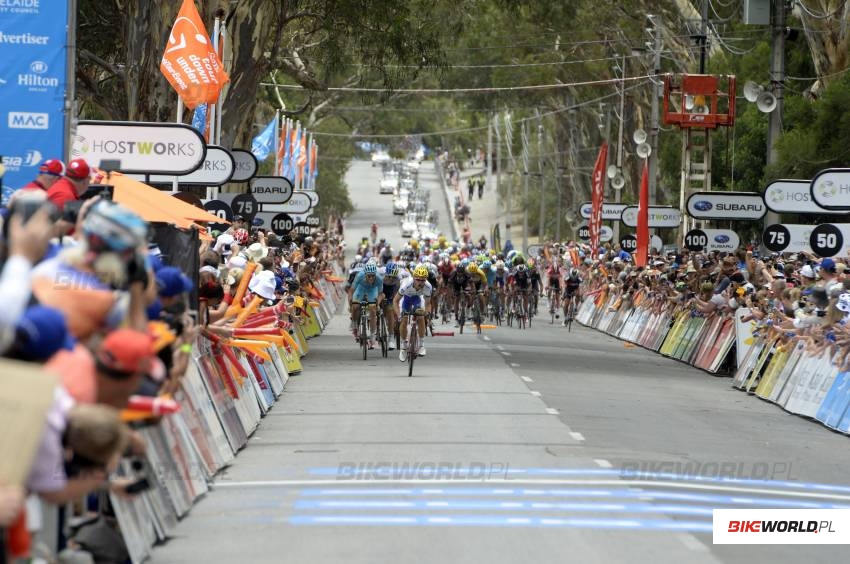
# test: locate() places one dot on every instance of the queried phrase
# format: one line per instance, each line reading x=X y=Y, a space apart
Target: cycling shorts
x=411 y=303
x=555 y=283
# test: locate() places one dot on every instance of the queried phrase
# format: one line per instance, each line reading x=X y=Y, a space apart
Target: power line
x=514 y=65
x=461 y=90
x=481 y=128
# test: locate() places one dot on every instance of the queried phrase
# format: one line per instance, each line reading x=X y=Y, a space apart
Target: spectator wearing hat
x=171 y=284
x=125 y=356
x=49 y=172
x=829 y=277
x=70 y=187
x=40 y=333
x=807 y=277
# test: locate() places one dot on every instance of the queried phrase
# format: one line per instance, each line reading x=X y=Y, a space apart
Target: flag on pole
x=597 y=195
x=295 y=151
x=642 y=251
x=199 y=119
x=302 y=159
x=314 y=163
x=262 y=144
x=524 y=137
x=281 y=147
x=190 y=63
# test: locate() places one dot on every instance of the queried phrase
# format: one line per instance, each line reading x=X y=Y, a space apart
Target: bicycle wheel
x=476 y=316
x=412 y=346
x=461 y=316
x=364 y=337
x=383 y=336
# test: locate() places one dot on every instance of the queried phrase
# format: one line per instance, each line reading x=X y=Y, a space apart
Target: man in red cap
x=72 y=185
x=49 y=172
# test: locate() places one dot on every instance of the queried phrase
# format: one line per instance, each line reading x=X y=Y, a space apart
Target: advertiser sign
x=271 y=189
x=298 y=203
x=787 y=238
x=726 y=205
x=217 y=169
x=33 y=42
x=659 y=216
x=245 y=165
x=313 y=195
x=830 y=189
x=610 y=212
x=142 y=148
x=792 y=196
x=723 y=240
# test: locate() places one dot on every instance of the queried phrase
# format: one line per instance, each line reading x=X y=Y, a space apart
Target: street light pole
x=653 y=135
x=618 y=192
x=542 y=183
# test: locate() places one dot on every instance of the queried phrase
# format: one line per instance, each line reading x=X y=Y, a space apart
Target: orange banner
x=190 y=64
x=642 y=252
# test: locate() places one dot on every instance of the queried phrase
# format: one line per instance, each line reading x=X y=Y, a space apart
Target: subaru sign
x=830 y=189
x=33 y=40
x=610 y=212
x=792 y=196
x=726 y=205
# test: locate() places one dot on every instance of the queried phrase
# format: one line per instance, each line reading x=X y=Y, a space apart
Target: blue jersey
x=361 y=283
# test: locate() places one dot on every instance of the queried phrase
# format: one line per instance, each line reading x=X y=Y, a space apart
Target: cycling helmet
x=370 y=268
x=112 y=227
x=420 y=272
x=472 y=268
x=464 y=263
x=486 y=265
x=500 y=265
x=241 y=236
x=411 y=266
x=521 y=268
x=432 y=268
x=414 y=243
x=531 y=263
x=574 y=273
x=391 y=269
x=511 y=254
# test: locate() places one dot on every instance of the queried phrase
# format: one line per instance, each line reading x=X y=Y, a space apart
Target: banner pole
x=219 y=16
x=174 y=183
x=70 y=82
x=276 y=141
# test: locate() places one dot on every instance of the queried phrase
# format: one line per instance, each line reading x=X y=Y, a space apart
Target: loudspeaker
x=766 y=102
x=752 y=91
x=618 y=182
x=612 y=170
x=639 y=136
x=644 y=150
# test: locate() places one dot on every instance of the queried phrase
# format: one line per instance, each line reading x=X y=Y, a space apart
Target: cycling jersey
x=413 y=298
x=458 y=280
x=522 y=280
x=500 y=278
x=365 y=290
x=572 y=285
x=477 y=281
x=391 y=286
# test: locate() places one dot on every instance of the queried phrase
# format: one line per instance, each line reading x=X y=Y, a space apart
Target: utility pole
x=703 y=36
x=488 y=160
x=777 y=82
x=618 y=192
x=559 y=184
x=542 y=182
x=506 y=203
x=653 y=134
x=525 y=174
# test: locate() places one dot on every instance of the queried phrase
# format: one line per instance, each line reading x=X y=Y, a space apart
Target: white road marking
x=552 y=411
x=514 y=364
x=514 y=481
x=526 y=378
x=692 y=543
x=486 y=338
x=577 y=436
x=500 y=347
x=535 y=393
x=506 y=353
x=602 y=463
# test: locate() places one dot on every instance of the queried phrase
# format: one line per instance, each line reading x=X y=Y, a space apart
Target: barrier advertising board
x=742 y=206
x=33 y=40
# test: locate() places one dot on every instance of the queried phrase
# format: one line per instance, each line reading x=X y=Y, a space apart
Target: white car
x=388 y=185
x=379 y=157
x=412 y=165
x=408 y=228
x=400 y=205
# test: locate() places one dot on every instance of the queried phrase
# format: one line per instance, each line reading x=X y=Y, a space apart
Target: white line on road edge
x=535 y=393
x=552 y=411
x=577 y=436
x=500 y=347
x=635 y=483
x=602 y=463
x=692 y=543
x=506 y=353
x=526 y=378
x=514 y=364
x=486 y=338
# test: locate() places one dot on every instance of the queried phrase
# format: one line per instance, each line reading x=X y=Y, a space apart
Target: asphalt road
x=510 y=446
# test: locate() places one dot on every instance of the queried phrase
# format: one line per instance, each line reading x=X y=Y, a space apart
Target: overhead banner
x=33 y=41
x=830 y=189
x=742 y=206
x=659 y=217
x=142 y=148
x=793 y=196
x=216 y=170
x=610 y=212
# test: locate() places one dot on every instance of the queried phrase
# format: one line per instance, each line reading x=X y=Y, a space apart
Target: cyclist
x=386 y=254
x=367 y=285
x=458 y=281
x=432 y=280
x=414 y=295
x=521 y=284
x=477 y=283
x=390 y=288
x=536 y=283
x=554 y=274
x=571 y=288
x=374 y=232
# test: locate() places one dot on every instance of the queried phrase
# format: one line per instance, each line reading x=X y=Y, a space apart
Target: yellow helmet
x=420 y=272
x=472 y=268
x=414 y=243
x=454 y=258
x=441 y=238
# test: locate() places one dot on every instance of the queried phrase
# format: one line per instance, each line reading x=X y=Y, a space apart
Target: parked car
x=400 y=205
x=380 y=157
x=388 y=185
x=408 y=227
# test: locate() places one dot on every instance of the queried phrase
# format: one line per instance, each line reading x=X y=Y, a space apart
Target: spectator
x=70 y=187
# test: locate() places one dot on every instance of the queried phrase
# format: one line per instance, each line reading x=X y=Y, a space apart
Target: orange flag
x=190 y=64
x=642 y=251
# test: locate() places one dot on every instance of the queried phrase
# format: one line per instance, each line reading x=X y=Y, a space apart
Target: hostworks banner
x=33 y=42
